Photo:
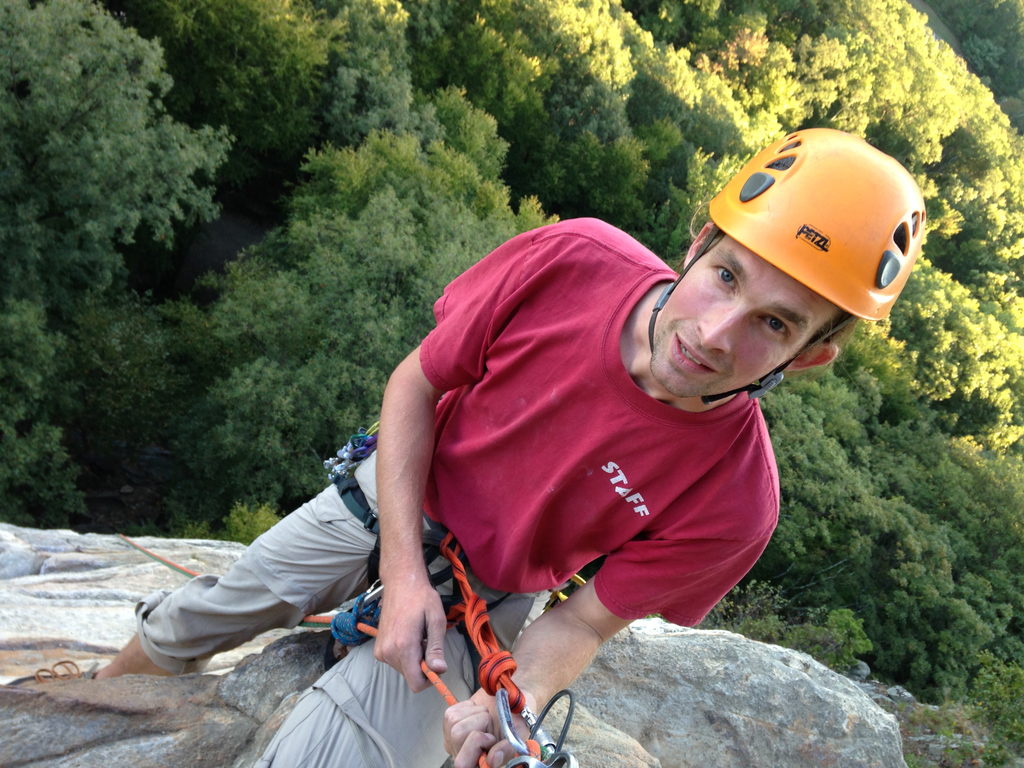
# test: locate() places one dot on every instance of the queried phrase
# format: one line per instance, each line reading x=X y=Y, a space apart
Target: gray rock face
x=657 y=696
x=65 y=595
x=140 y=721
x=711 y=698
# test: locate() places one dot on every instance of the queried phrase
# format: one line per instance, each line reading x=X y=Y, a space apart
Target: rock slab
x=697 y=698
x=67 y=595
x=657 y=695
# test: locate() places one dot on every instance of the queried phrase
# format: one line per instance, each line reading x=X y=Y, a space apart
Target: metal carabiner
x=508 y=730
x=374 y=592
x=554 y=759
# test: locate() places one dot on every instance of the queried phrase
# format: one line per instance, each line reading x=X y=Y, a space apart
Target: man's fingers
x=500 y=754
x=461 y=720
x=412 y=632
x=475 y=745
x=404 y=658
x=413 y=673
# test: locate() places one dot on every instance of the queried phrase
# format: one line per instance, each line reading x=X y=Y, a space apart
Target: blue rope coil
x=343 y=625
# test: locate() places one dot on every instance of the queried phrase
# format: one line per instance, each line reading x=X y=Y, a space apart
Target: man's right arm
x=411 y=610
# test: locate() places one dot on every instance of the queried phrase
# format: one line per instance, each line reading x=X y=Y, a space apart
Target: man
x=576 y=400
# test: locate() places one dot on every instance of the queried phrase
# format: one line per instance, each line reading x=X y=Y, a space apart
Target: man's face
x=731 y=320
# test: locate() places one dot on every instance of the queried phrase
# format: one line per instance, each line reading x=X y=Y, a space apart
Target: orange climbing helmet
x=832 y=212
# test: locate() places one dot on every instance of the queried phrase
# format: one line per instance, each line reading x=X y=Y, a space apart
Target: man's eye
x=725 y=275
x=775 y=324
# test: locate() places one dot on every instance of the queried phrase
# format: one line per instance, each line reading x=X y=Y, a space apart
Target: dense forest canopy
x=384 y=146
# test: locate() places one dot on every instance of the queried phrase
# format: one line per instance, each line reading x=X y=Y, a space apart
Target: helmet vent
x=888 y=268
x=915 y=223
x=755 y=185
x=791 y=145
x=900 y=238
x=782 y=164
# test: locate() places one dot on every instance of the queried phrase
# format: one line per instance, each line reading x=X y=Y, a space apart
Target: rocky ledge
x=657 y=695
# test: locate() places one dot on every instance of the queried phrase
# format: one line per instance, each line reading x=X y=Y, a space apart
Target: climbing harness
x=494 y=671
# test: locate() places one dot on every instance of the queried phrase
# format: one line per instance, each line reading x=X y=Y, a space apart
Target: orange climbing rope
x=172 y=565
x=496 y=664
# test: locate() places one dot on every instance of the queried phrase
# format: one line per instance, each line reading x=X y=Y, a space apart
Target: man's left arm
x=550 y=654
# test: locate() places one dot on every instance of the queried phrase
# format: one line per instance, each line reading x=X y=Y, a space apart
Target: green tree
x=91 y=161
x=370 y=88
x=967 y=361
x=997 y=694
x=572 y=87
x=126 y=386
x=88 y=153
x=849 y=538
x=992 y=35
x=369 y=82
x=253 y=67
x=36 y=480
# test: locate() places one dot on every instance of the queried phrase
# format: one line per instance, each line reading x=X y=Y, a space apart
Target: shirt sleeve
x=717 y=530
x=681 y=580
x=474 y=308
x=477 y=305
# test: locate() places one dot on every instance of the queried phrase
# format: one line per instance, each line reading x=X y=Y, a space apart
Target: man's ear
x=821 y=353
x=708 y=230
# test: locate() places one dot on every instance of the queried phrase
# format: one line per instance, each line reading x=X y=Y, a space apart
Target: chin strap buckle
x=766 y=385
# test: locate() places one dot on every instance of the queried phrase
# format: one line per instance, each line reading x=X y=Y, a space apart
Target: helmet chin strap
x=771 y=380
x=713 y=237
x=759 y=388
x=766 y=383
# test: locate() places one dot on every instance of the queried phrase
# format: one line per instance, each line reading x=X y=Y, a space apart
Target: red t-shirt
x=548 y=455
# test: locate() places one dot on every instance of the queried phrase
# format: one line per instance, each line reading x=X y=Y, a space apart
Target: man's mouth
x=691 y=358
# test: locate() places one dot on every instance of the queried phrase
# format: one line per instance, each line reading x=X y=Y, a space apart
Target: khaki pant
x=358 y=714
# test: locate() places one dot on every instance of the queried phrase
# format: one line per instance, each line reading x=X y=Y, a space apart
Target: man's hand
x=412 y=628
x=469 y=731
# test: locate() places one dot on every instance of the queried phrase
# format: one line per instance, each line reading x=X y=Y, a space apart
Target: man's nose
x=719 y=328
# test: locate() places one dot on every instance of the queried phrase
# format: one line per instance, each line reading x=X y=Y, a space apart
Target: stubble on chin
x=665 y=372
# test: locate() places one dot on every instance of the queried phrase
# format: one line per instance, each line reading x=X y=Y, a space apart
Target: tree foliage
x=252 y=67
x=421 y=134
x=991 y=36
x=35 y=475
x=88 y=152
x=369 y=81
x=997 y=693
x=90 y=160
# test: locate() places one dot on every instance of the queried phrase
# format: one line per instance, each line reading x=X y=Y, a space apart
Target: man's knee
x=181 y=630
